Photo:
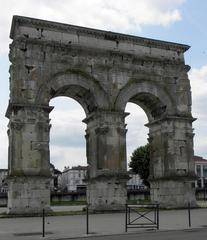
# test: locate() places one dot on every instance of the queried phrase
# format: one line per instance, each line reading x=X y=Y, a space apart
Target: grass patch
x=68 y=203
x=61 y=213
x=140 y=201
x=66 y=213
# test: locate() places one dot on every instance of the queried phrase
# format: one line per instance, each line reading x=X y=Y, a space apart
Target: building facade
x=3 y=183
x=55 y=177
x=135 y=182
x=72 y=179
x=201 y=171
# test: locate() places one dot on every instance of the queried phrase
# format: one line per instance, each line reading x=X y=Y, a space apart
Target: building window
x=205 y=171
x=198 y=170
x=199 y=183
x=205 y=182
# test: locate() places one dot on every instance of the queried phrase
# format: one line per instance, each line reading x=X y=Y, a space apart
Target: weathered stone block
x=28 y=195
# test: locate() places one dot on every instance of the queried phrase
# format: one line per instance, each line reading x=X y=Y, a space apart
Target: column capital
x=16 y=125
x=18 y=106
x=171 y=118
x=122 y=131
x=104 y=115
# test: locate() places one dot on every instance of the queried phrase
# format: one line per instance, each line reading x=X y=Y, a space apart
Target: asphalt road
x=188 y=234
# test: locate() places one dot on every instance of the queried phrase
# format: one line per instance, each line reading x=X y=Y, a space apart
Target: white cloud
x=198 y=77
x=65 y=118
x=67 y=156
x=67 y=122
x=4 y=142
x=122 y=15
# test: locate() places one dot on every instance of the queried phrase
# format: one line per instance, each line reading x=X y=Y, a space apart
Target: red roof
x=198 y=158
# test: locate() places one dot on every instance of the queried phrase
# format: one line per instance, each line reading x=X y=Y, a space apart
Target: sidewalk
x=99 y=224
x=57 y=208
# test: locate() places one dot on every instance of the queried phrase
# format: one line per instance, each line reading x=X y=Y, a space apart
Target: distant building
x=72 y=179
x=3 y=183
x=201 y=171
x=54 y=182
x=135 y=182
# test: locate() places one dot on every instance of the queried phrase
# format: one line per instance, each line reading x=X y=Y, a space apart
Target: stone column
x=106 y=156
x=172 y=172
x=29 y=167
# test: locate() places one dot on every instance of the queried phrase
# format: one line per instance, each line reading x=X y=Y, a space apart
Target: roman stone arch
x=151 y=96
x=77 y=84
x=102 y=71
x=169 y=142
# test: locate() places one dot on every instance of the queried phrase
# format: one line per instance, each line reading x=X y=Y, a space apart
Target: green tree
x=140 y=161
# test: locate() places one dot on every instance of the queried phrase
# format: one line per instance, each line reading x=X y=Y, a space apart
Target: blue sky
x=182 y=21
x=191 y=30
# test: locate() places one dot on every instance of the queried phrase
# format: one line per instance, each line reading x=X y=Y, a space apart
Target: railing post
x=126 y=218
x=155 y=213
x=158 y=217
x=189 y=215
x=87 y=223
x=43 y=222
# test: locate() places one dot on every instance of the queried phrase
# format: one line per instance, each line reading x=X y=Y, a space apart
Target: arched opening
x=136 y=137
x=137 y=133
x=67 y=146
x=67 y=142
x=71 y=146
x=144 y=108
x=152 y=98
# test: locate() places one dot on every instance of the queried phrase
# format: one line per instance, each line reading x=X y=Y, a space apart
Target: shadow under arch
x=151 y=97
x=76 y=84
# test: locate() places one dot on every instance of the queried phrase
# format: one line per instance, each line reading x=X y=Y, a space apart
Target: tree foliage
x=140 y=161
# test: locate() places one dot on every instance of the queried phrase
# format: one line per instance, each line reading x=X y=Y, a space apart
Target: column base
x=173 y=194
x=105 y=194
x=28 y=195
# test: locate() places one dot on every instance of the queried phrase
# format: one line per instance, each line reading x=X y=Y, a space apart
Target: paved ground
x=200 y=234
x=64 y=227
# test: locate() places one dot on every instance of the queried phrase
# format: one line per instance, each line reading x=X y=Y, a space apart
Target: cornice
x=89 y=50
x=105 y=35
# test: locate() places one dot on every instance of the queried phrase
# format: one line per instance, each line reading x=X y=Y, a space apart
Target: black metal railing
x=43 y=222
x=87 y=220
x=142 y=216
x=44 y=215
